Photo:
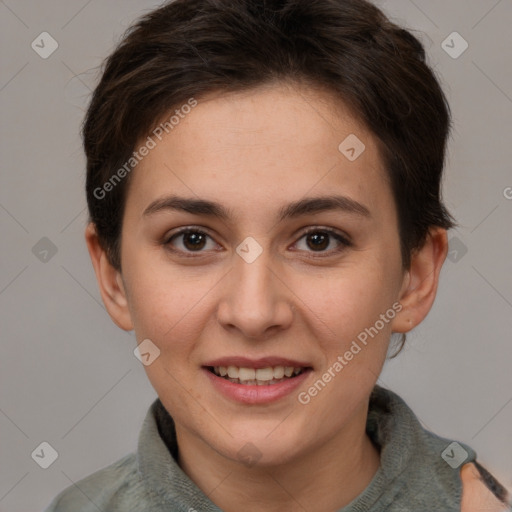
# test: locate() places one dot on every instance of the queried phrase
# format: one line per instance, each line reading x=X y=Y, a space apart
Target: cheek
x=168 y=306
x=347 y=300
x=170 y=311
x=354 y=339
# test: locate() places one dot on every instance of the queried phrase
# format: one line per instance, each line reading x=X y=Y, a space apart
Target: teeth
x=233 y=372
x=246 y=373
x=264 y=374
x=259 y=377
x=278 y=372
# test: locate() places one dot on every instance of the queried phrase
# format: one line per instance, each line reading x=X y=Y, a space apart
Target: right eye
x=191 y=240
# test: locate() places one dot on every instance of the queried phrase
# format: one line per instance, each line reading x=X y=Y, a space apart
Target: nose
x=255 y=299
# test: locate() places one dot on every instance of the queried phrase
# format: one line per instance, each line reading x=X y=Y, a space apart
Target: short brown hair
x=188 y=48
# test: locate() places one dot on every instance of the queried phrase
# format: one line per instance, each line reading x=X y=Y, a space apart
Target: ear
x=420 y=281
x=109 y=280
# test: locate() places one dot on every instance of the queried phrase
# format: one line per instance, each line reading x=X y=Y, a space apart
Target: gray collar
x=411 y=470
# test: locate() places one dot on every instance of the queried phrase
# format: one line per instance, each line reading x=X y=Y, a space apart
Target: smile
x=257 y=377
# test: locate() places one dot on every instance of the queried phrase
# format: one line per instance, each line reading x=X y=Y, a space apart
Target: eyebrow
x=296 y=209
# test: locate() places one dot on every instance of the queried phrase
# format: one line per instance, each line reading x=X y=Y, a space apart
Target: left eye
x=317 y=240
x=192 y=239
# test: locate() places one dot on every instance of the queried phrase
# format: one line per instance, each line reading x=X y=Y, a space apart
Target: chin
x=259 y=445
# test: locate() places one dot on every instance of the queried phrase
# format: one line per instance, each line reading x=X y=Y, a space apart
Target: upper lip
x=263 y=362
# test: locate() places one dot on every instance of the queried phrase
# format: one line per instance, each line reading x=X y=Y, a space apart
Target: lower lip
x=250 y=394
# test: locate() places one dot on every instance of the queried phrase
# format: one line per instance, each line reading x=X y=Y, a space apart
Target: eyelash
x=343 y=240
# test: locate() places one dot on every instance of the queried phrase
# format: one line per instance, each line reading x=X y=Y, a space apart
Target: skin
x=255 y=152
x=476 y=497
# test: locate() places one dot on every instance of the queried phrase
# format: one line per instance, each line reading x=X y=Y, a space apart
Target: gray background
x=68 y=374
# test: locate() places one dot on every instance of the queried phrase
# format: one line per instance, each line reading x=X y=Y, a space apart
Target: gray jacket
x=419 y=470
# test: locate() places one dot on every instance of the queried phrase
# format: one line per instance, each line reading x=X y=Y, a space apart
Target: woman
x=263 y=182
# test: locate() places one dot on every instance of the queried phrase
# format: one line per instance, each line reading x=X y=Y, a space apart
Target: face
x=293 y=258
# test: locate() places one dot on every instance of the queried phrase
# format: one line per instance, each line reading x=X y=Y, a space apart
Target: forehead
x=256 y=148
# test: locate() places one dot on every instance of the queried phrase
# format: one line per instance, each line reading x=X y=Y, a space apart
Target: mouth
x=259 y=381
x=267 y=376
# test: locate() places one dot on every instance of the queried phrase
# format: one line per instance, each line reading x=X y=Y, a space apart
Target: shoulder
x=481 y=491
x=110 y=488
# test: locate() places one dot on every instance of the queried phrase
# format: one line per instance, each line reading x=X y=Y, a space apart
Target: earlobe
x=421 y=280
x=110 y=281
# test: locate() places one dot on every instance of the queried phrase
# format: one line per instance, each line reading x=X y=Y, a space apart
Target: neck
x=325 y=478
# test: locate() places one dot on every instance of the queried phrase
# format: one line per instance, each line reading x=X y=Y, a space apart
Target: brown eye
x=194 y=241
x=320 y=240
x=189 y=240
